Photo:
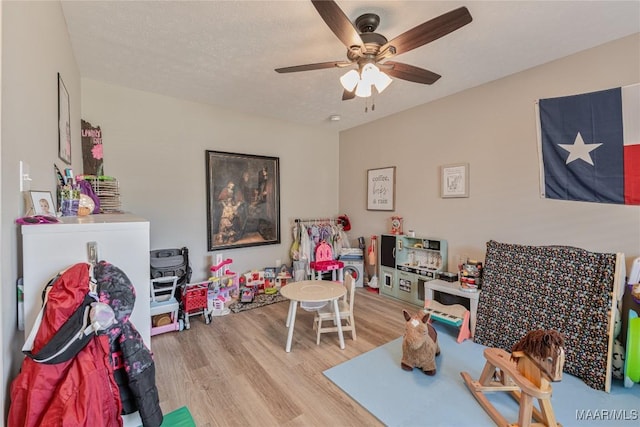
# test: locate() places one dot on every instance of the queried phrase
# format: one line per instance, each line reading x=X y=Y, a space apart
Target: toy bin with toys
x=261 y=282
x=267 y=281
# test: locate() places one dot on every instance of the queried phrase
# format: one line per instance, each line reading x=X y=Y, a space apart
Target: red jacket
x=79 y=392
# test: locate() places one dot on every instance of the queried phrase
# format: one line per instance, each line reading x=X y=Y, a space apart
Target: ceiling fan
x=367 y=49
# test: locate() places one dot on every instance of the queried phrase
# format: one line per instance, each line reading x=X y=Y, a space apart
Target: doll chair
x=165 y=307
x=345 y=307
x=324 y=262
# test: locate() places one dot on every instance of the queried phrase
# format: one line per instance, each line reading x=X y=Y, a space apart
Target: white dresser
x=122 y=240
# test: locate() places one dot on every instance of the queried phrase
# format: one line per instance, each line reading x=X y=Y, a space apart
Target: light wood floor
x=235 y=371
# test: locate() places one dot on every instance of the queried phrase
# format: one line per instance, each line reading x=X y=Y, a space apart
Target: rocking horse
x=526 y=373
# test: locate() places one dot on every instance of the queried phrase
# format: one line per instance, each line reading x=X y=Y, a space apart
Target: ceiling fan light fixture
x=369 y=73
x=382 y=81
x=364 y=89
x=350 y=80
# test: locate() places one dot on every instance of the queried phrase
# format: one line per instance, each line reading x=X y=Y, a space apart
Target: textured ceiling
x=225 y=52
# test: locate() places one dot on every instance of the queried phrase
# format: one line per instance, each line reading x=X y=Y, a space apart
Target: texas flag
x=590 y=146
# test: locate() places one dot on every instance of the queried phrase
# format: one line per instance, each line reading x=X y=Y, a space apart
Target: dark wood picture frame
x=243 y=200
x=64 y=123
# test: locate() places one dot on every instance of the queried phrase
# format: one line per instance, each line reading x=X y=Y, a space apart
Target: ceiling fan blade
x=338 y=22
x=430 y=30
x=346 y=95
x=309 y=67
x=409 y=72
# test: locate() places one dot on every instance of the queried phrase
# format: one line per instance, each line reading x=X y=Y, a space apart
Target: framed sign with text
x=381 y=189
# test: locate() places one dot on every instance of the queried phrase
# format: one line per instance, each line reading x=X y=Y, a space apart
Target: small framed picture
x=39 y=203
x=454 y=180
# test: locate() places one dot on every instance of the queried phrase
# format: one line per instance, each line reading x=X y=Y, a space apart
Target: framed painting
x=381 y=189
x=64 y=123
x=243 y=200
x=454 y=180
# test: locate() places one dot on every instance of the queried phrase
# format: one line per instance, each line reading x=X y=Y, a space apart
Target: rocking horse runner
x=535 y=360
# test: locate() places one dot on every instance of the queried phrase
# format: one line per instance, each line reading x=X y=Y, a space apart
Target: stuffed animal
x=419 y=343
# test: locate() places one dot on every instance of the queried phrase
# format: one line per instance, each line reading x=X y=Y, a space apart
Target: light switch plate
x=25 y=179
x=92 y=253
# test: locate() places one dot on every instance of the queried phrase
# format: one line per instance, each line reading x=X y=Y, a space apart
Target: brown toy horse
x=539 y=359
x=419 y=343
x=545 y=347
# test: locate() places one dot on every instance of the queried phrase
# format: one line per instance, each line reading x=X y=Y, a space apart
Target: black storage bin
x=448 y=299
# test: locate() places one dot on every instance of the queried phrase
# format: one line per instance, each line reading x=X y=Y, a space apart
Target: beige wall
x=155 y=146
x=35 y=47
x=493 y=128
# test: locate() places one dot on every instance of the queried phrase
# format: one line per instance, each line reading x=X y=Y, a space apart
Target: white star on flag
x=579 y=150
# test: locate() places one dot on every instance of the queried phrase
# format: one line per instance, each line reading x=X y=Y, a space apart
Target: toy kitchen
x=411 y=262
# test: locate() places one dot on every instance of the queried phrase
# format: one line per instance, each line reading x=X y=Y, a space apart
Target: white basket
x=312 y=306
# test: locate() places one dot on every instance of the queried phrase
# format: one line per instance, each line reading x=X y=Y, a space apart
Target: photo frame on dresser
x=381 y=189
x=454 y=180
x=243 y=200
x=39 y=203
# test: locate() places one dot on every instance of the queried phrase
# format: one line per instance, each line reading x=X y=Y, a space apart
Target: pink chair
x=324 y=262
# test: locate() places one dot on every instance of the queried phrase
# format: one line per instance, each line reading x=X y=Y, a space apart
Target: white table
x=453 y=288
x=312 y=291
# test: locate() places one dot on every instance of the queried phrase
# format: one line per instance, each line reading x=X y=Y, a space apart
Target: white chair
x=165 y=307
x=345 y=307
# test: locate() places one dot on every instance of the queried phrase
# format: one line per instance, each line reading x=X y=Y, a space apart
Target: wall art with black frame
x=64 y=123
x=243 y=200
